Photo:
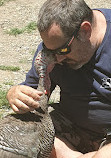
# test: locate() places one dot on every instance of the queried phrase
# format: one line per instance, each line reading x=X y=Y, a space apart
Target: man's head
x=65 y=27
x=68 y=14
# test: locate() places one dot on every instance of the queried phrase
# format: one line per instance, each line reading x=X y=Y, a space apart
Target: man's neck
x=98 y=28
x=98 y=32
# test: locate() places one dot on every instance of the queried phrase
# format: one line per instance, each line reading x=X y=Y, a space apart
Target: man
x=80 y=39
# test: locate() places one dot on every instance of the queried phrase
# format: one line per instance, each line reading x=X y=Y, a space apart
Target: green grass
x=15 y=31
x=3 y=101
x=28 y=28
x=32 y=52
x=4 y=105
x=50 y=102
x=10 y=83
x=3 y=1
x=23 y=60
x=9 y=68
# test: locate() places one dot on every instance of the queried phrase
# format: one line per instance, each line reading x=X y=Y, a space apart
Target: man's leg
x=88 y=155
x=69 y=138
x=62 y=149
x=104 y=152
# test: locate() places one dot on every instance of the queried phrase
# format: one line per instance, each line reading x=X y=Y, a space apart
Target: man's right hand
x=23 y=98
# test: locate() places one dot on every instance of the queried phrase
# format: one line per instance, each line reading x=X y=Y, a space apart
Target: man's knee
x=87 y=155
x=104 y=152
x=62 y=148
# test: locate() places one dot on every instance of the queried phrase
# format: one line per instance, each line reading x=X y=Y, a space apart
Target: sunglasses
x=65 y=49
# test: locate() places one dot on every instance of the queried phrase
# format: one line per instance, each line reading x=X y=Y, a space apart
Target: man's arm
x=24 y=97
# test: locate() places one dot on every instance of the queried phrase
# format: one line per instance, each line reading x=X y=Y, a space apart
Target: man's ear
x=85 y=31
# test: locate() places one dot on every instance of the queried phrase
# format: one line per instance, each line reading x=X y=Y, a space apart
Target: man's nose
x=60 y=58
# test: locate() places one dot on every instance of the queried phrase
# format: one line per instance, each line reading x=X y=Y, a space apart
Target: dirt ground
x=17 y=50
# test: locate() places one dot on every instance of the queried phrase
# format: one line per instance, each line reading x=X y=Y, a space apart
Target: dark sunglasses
x=65 y=49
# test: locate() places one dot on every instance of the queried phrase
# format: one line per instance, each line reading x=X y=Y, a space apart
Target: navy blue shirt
x=86 y=92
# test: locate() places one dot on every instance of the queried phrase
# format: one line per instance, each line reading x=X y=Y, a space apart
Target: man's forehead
x=53 y=37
